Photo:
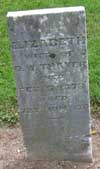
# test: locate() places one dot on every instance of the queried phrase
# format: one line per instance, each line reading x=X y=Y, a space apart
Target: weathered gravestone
x=50 y=60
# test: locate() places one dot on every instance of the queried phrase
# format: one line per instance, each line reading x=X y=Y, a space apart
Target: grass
x=8 y=103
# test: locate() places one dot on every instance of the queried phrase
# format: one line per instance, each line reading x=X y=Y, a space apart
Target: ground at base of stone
x=12 y=152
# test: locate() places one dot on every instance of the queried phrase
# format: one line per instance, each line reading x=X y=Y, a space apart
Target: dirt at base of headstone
x=13 y=156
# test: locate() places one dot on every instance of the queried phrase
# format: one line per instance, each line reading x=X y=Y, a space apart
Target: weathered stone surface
x=50 y=60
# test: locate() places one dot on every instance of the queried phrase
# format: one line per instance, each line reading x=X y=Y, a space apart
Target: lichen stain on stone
x=43 y=19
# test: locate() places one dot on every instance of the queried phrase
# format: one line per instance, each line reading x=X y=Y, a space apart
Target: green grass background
x=8 y=101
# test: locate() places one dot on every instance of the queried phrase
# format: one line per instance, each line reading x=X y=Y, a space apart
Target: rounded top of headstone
x=45 y=11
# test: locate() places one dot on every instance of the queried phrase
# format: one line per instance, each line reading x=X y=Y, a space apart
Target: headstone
x=51 y=68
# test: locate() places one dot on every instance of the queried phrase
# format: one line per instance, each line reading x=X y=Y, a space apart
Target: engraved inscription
x=59 y=42
x=52 y=66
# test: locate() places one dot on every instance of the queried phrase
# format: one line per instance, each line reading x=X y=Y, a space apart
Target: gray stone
x=51 y=68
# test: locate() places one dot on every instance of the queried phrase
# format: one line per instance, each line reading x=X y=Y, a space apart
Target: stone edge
x=16 y=14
